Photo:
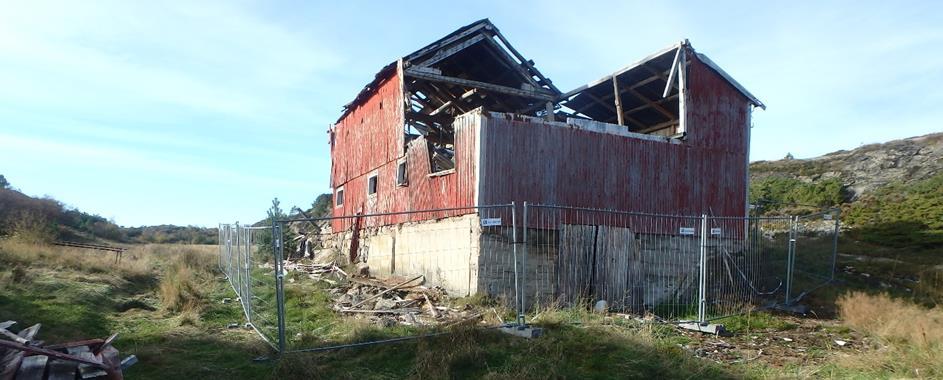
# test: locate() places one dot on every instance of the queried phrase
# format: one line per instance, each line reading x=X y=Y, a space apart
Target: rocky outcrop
x=866 y=168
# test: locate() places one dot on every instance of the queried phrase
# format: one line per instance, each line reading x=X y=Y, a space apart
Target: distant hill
x=46 y=219
x=891 y=193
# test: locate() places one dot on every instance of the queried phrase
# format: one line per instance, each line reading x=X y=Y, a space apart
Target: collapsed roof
x=475 y=66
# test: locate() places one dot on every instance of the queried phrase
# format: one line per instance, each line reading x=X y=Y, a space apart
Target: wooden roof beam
x=430 y=76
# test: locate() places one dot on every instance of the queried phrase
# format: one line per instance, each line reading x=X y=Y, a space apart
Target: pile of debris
x=23 y=357
x=388 y=302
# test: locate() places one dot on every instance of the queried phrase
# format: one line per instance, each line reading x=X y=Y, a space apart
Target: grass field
x=166 y=302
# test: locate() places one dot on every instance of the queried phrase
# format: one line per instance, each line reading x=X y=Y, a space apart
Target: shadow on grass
x=563 y=352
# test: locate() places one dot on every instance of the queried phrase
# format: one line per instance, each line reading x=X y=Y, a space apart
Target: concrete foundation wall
x=444 y=251
x=573 y=263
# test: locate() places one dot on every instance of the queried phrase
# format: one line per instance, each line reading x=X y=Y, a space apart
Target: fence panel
x=319 y=283
x=248 y=265
x=815 y=252
x=635 y=262
x=747 y=263
x=370 y=278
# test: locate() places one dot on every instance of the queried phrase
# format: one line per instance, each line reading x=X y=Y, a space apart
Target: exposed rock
x=866 y=168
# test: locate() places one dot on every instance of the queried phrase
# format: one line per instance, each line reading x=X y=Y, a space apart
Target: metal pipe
x=702 y=285
x=517 y=290
x=523 y=320
x=279 y=283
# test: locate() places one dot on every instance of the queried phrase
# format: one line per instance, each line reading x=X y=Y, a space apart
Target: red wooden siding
x=560 y=165
x=422 y=192
x=529 y=160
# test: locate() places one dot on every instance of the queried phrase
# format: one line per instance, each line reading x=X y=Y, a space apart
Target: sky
x=200 y=112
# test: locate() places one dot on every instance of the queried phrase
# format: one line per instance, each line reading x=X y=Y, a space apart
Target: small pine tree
x=3 y=182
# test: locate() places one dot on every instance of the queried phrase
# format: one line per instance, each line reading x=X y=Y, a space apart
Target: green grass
x=755 y=322
x=84 y=301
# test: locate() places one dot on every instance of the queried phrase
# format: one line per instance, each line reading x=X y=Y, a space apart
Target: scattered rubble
x=809 y=343
x=387 y=302
x=24 y=357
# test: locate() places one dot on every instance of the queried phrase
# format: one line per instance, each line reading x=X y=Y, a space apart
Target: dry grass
x=184 y=278
x=910 y=337
x=134 y=263
x=182 y=270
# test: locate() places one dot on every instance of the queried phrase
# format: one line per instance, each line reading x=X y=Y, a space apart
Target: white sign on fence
x=686 y=231
x=489 y=222
x=716 y=231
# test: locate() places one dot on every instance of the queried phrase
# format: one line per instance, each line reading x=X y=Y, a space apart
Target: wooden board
x=574 y=267
x=32 y=368
x=62 y=369
x=11 y=361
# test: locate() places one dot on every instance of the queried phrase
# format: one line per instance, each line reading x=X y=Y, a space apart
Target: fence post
x=702 y=283
x=229 y=252
x=518 y=291
x=279 y=283
x=791 y=257
x=835 y=243
x=524 y=271
x=247 y=260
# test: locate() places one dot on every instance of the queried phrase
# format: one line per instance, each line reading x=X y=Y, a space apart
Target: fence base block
x=709 y=328
x=523 y=331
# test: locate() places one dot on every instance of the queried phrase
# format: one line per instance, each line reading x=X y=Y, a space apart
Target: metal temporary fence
x=248 y=268
x=459 y=251
x=679 y=268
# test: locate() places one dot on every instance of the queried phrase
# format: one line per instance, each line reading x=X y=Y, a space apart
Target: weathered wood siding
x=370 y=140
x=559 y=164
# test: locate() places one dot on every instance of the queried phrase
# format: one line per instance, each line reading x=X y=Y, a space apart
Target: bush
x=780 y=194
x=900 y=214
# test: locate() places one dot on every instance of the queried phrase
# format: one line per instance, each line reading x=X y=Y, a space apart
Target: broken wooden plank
x=62 y=369
x=54 y=354
x=88 y=342
x=431 y=306
x=385 y=311
x=11 y=361
x=419 y=74
x=397 y=286
x=106 y=343
x=32 y=368
x=86 y=359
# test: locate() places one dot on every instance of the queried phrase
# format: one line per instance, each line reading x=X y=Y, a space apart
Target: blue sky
x=195 y=112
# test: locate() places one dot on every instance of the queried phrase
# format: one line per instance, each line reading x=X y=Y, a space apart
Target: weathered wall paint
x=369 y=139
x=524 y=159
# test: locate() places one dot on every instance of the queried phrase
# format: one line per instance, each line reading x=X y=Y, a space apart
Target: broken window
x=401 y=173
x=339 y=197
x=372 y=184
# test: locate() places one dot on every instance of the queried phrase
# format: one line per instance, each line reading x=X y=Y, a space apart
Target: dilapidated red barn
x=468 y=120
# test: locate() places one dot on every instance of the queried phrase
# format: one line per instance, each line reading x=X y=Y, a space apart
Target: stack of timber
x=23 y=357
